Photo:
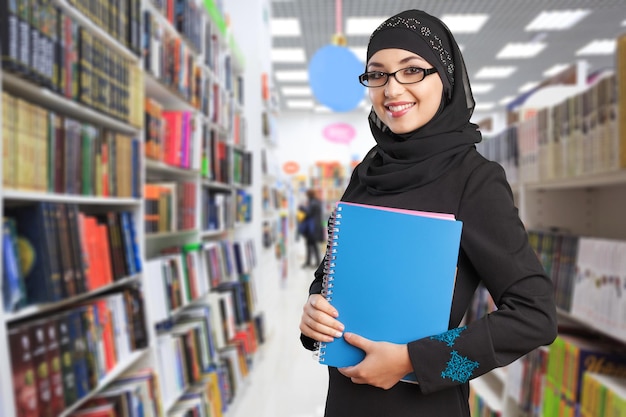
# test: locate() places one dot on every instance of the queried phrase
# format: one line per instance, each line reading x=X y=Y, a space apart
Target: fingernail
x=338 y=334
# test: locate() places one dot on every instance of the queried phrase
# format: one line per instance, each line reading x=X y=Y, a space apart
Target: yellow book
x=9 y=114
x=621 y=97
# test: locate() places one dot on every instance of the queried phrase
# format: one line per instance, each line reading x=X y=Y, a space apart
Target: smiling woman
x=425 y=159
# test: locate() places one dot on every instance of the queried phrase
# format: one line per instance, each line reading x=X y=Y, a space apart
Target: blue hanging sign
x=333 y=76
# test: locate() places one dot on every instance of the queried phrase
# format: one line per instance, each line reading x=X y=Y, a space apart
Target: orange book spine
x=173 y=131
x=105 y=250
x=108 y=341
x=97 y=274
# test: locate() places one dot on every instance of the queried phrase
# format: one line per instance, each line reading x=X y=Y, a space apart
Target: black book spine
x=9 y=35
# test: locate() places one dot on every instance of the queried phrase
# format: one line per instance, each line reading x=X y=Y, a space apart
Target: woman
x=312 y=229
x=425 y=159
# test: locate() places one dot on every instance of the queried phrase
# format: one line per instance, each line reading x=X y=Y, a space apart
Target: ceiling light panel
x=363 y=25
x=300 y=104
x=598 y=47
x=478 y=88
x=291 y=76
x=285 y=27
x=495 y=72
x=465 y=23
x=296 y=91
x=288 y=55
x=521 y=50
x=557 y=20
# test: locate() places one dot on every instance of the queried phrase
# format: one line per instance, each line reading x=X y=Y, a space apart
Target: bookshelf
x=565 y=159
x=163 y=176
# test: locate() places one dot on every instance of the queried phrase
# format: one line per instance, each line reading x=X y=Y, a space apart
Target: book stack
x=169 y=206
x=528 y=145
x=96 y=251
x=168 y=55
x=598 y=290
x=526 y=379
x=59 y=359
x=178 y=138
x=47 y=151
x=132 y=394
x=216 y=210
x=603 y=395
x=615 y=104
x=208 y=325
x=82 y=80
x=242 y=167
x=558 y=253
x=569 y=358
x=153 y=129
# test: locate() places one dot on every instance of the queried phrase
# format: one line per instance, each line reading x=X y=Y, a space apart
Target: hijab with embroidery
x=400 y=162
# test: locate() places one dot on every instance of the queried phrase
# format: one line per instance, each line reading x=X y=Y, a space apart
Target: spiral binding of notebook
x=329 y=264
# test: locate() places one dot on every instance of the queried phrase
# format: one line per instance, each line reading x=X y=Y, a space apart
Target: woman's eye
x=375 y=75
x=413 y=70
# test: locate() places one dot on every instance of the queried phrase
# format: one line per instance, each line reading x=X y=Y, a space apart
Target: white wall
x=301 y=139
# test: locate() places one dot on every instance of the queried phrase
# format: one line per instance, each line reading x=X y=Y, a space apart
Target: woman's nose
x=393 y=87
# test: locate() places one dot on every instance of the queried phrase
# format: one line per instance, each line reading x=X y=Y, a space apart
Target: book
x=39 y=345
x=390 y=274
x=53 y=354
x=42 y=281
x=66 y=351
x=13 y=289
x=23 y=371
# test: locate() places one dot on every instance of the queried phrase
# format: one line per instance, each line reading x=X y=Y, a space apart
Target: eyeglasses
x=409 y=75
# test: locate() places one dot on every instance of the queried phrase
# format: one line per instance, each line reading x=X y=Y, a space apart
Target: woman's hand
x=384 y=365
x=319 y=319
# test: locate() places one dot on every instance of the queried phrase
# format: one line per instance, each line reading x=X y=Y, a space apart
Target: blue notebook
x=390 y=274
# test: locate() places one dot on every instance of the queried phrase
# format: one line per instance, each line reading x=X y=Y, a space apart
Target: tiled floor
x=285 y=381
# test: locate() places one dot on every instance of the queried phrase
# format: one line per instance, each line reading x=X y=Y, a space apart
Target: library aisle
x=285 y=381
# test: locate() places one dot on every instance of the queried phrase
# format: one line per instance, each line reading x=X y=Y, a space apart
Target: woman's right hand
x=319 y=320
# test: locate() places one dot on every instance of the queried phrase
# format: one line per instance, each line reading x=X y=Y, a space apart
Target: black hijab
x=400 y=162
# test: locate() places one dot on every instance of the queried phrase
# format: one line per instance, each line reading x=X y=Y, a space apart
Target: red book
x=187 y=125
x=105 y=251
x=108 y=338
x=38 y=343
x=236 y=129
x=53 y=353
x=23 y=372
x=173 y=137
x=95 y=277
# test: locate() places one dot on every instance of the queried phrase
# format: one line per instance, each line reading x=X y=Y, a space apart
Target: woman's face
x=404 y=107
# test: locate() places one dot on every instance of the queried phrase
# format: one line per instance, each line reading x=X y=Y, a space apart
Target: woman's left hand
x=384 y=364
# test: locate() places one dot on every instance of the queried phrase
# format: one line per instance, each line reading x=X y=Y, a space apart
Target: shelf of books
x=567 y=154
x=125 y=176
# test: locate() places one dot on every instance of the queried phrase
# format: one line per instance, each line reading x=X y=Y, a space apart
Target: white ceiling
x=506 y=23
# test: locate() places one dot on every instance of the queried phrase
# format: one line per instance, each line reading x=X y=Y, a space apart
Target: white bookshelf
x=589 y=204
x=149 y=245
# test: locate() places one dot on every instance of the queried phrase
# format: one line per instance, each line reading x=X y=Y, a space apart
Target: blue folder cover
x=390 y=275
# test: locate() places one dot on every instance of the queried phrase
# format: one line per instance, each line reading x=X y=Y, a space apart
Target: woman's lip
x=398 y=109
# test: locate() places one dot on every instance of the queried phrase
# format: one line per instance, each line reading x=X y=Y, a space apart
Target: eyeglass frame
x=425 y=71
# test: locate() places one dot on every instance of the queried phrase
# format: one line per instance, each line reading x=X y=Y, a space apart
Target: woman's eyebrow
x=375 y=64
